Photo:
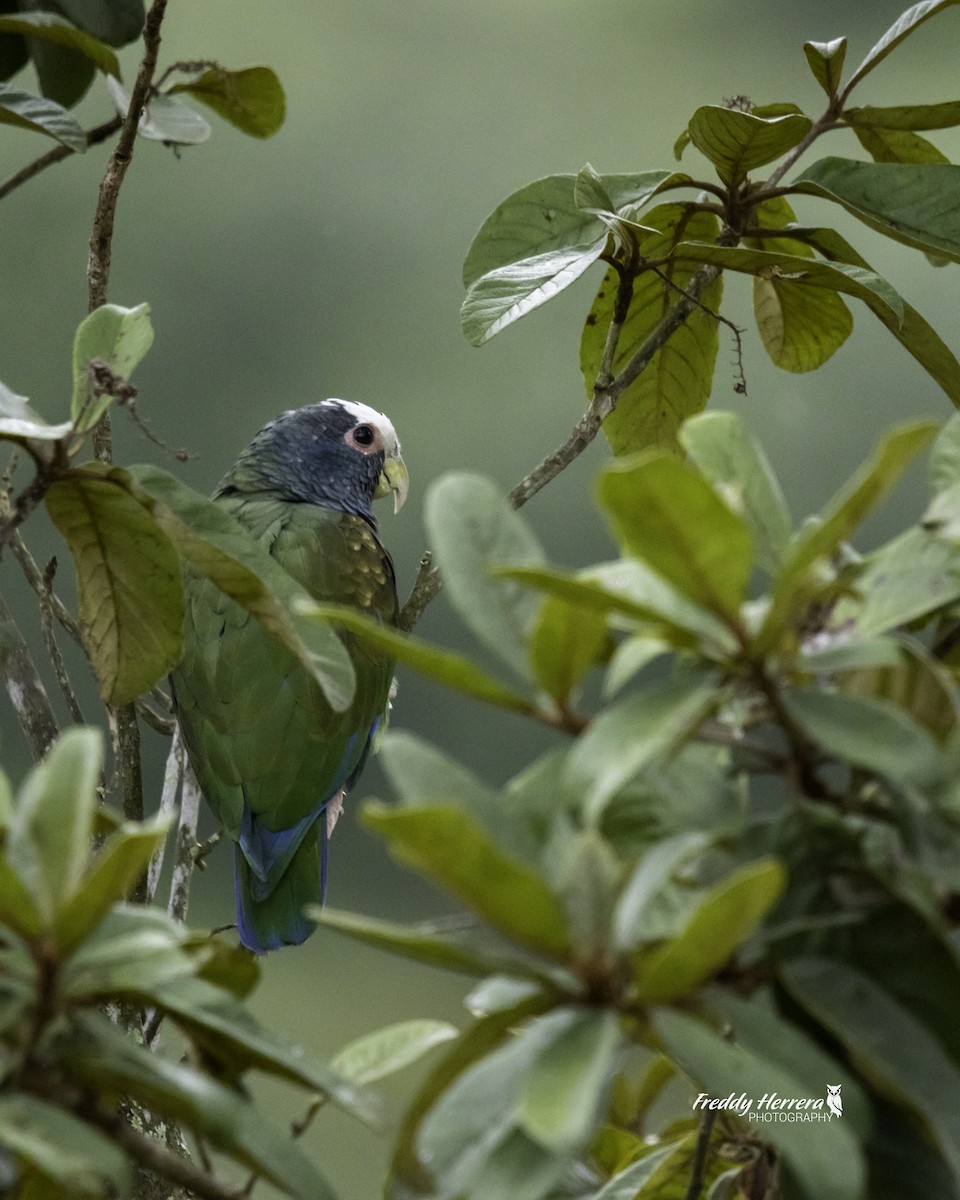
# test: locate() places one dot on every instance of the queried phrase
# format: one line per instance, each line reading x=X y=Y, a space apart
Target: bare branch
x=172 y=775
x=25 y=687
x=155 y=1157
x=185 y=846
x=50 y=642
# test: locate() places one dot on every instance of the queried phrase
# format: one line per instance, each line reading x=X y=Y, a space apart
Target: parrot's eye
x=364 y=435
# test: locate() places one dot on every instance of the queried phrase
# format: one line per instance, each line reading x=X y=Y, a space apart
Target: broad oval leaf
x=49 y=839
x=566 y=642
x=725 y=918
x=799 y=329
x=251 y=99
x=50 y=27
x=544 y=217
x=914 y=203
x=905 y=116
x=116 y=22
x=647 y=725
x=944 y=468
x=564 y=1087
x=128 y=577
x=898 y=146
x=731 y=458
x=472 y=529
x=737 y=142
x=165 y=119
x=386 y=1051
x=41 y=116
x=119 y=337
x=676 y=382
x=448 y=846
x=666 y=514
x=826 y=62
x=508 y=293
x=874 y=734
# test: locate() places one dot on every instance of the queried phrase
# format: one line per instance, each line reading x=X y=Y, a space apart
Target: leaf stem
x=94 y=136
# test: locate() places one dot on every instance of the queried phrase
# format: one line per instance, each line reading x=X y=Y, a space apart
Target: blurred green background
x=326 y=261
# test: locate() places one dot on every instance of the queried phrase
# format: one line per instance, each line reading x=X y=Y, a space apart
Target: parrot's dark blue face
x=337 y=454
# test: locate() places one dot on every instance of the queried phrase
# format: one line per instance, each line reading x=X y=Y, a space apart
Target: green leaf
x=629 y=1183
x=826 y=62
x=898 y=146
x=730 y=912
x=449 y=847
x=666 y=514
x=476 y=1043
x=544 y=217
x=676 y=382
x=738 y=142
x=18 y=908
x=873 y=734
x=251 y=99
x=853 y=280
x=799 y=329
x=912 y=576
x=887 y=1042
x=917 y=204
x=164 y=119
x=443 y=666
x=905 y=116
x=653 y=872
x=41 y=116
x=472 y=529
x=117 y=866
x=504 y=295
x=844 y=652
x=18 y=421
x=566 y=642
x=64 y=1150
x=128 y=577
x=421 y=943
x=628 y=588
x=116 y=22
x=797 y=583
x=120 y=337
x=824 y=1157
x=914 y=333
x=49 y=27
x=219 y=548
x=377 y=1055
x=227 y=1119
x=589 y=192
x=731 y=458
x=564 y=1088
x=649 y=724
x=904 y=25
x=944 y=466
x=63 y=75
x=50 y=836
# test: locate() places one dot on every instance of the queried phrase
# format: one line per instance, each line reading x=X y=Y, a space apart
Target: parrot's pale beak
x=393 y=478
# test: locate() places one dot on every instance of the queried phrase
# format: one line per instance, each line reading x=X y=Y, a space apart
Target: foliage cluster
x=738 y=873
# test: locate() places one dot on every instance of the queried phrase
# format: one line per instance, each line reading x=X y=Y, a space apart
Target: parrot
x=271 y=756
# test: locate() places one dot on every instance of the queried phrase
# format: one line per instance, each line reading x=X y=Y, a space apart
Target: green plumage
x=268 y=750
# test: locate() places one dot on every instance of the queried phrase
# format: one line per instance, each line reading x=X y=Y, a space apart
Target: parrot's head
x=337 y=453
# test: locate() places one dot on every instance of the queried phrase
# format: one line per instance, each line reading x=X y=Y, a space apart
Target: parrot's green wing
x=268 y=749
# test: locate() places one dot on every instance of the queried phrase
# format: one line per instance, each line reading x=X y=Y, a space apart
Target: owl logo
x=834 y=1103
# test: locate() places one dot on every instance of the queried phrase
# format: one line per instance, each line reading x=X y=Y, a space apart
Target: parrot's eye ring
x=364 y=435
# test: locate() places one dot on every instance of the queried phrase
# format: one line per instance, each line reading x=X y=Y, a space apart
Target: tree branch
x=94 y=137
x=185 y=848
x=152 y=1155
x=25 y=687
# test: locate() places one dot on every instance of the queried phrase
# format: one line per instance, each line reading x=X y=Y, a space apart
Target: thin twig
x=50 y=642
x=698 y=1167
x=58 y=154
x=34 y=576
x=427 y=584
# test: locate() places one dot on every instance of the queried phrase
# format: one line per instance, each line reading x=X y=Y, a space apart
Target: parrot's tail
x=270 y=912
